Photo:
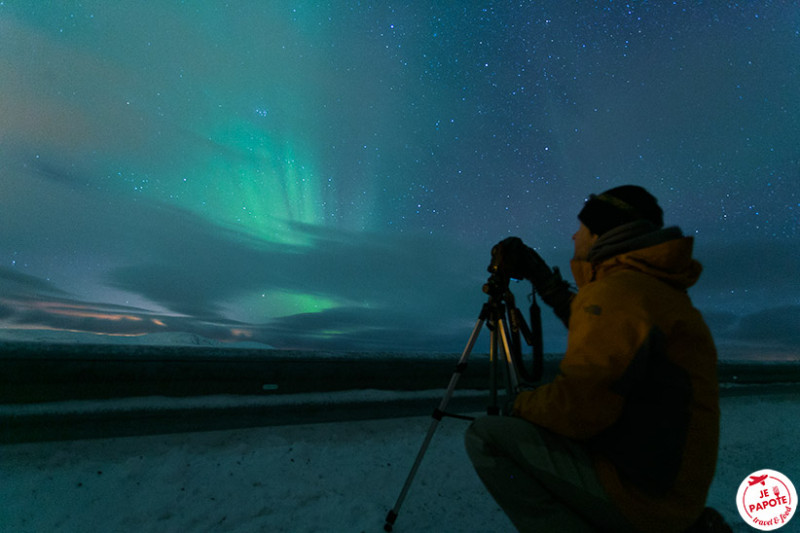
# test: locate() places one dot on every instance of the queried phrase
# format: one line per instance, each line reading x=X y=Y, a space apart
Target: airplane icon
x=758 y=479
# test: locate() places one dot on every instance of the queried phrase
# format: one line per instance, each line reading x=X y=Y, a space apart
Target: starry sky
x=333 y=175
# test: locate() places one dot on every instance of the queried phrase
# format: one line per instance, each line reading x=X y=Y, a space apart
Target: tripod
x=493 y=314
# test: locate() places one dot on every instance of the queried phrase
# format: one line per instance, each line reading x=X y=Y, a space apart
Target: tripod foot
x=390 y=518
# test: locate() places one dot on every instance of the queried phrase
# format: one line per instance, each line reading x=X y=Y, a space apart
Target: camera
x=508 y=258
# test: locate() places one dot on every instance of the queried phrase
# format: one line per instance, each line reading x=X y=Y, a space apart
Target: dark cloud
x=778 y=325
x=180 y=261
x=387 y=287
x=769 y=327
x=85 y=321
x=763 y=265
x=16 y=284
x=721 y=323
x=368 y=330
x=70 y=314
x=6 y=311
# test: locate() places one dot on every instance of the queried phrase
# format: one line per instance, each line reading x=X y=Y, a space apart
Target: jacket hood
x=669 y=259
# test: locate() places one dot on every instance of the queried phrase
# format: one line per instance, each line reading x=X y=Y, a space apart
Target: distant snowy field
x=338 y=477
x=326 y=477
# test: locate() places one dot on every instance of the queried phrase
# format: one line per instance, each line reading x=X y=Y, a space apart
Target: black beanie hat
x=618 y=206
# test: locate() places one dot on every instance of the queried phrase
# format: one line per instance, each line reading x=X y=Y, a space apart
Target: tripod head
x=502 y=301
x=497 y=287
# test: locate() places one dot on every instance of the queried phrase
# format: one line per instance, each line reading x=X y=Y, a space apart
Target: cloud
x=774 y=326
x=381 y=289
x=720 y=323
x=166 y=258
x=69 y=314
x=352 y=290
x=16 y=284
x=767 y=266
x=364 y=330
x=171 y=259
x=6 y=311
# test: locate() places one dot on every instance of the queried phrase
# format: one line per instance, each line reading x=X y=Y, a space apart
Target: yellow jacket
x=638 y=385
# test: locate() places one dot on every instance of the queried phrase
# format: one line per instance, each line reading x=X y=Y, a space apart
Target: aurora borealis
x=332 y=175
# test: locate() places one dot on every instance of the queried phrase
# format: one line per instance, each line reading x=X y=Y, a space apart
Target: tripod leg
x=512 y=369
x=493 y=407
x=437 y=416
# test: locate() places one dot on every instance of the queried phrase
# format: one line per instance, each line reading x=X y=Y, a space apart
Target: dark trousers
x=543 y=482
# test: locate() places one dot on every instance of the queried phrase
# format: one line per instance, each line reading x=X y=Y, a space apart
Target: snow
x=338 y=476
x=334 y=476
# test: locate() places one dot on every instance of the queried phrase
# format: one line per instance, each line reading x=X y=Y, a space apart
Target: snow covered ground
x=331 y=477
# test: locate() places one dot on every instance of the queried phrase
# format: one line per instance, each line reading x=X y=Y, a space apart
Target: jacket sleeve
x=558 y=294
x=603 y=338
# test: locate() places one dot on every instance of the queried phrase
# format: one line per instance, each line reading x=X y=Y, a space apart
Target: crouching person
x=625 y=437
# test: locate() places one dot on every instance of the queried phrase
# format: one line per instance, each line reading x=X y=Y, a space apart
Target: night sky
x=333 y=175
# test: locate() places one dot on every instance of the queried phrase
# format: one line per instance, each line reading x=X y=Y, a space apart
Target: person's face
x=584 y=240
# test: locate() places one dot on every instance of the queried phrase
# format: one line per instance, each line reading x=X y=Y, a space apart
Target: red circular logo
x=766 y=500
